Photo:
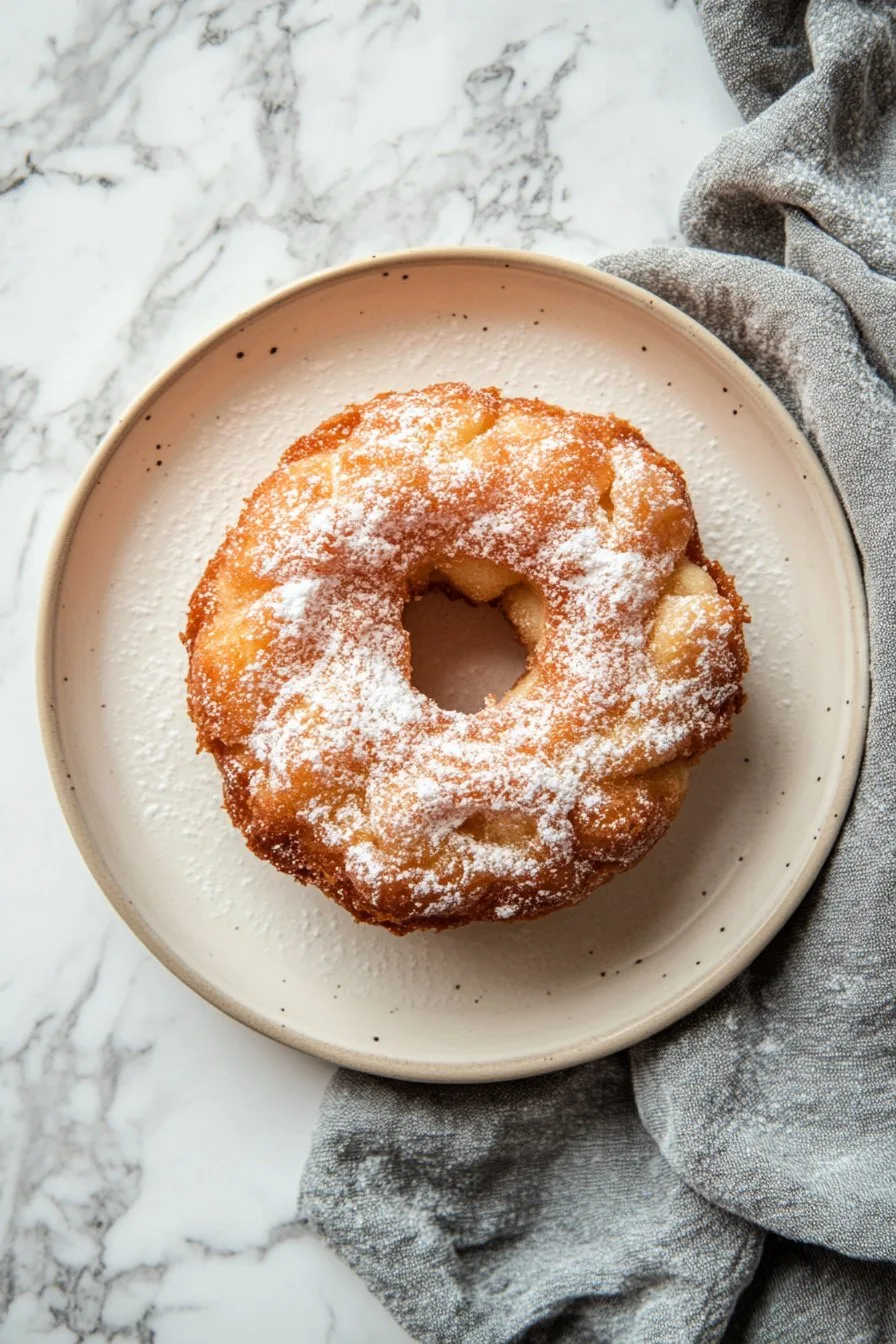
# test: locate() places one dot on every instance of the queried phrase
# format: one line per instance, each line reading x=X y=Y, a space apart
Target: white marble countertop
x=161 y=166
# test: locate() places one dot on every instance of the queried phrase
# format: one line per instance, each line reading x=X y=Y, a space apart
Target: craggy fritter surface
x=337 y=770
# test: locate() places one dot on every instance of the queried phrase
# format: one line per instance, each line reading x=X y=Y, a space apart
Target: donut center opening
x=462 y=652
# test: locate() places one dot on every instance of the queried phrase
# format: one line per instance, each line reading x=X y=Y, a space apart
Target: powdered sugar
x=290 y=600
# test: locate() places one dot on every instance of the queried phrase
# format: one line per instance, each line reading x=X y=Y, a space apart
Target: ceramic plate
x=487 y=1001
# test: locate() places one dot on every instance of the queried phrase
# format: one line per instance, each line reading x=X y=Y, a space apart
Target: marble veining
x=163 y=164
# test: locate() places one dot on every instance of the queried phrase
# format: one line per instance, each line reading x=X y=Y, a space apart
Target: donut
x=340 y=772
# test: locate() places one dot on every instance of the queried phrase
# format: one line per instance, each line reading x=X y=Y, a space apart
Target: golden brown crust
x=337 y=771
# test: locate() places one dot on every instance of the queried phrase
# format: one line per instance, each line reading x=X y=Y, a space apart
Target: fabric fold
x=529 y=1210
x=802 y=1293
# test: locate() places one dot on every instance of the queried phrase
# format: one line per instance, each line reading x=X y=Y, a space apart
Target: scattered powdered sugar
x=429 y=802
x=290 y=600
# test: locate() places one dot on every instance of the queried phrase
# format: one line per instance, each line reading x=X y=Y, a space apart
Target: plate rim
x=596 y=1044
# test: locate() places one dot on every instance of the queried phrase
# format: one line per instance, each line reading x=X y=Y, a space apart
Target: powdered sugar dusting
x=422 y=806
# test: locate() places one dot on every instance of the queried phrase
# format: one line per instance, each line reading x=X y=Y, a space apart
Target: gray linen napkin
x=629 y=1200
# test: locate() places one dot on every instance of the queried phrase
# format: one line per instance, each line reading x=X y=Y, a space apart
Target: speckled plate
x=483 y=1002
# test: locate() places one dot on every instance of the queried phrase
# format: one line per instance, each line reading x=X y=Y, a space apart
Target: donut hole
x=464 y=655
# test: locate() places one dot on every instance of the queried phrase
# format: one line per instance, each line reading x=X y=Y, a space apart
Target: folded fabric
x=629 y=1200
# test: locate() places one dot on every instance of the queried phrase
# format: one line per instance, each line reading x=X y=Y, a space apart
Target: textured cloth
x=630 y=1199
